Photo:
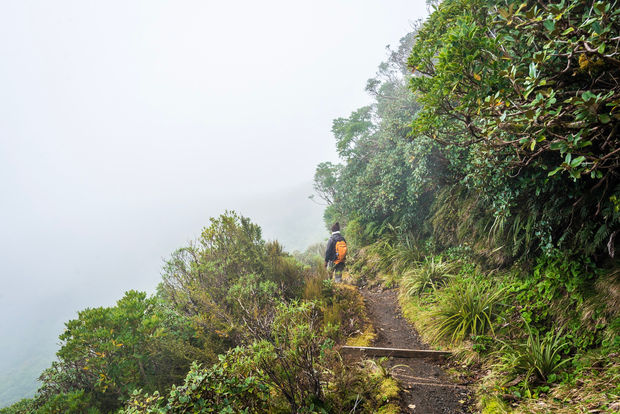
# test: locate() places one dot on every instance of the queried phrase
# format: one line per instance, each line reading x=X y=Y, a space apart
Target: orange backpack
x=341 y=251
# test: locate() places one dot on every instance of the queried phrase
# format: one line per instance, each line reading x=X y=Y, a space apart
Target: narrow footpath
x=426 y=388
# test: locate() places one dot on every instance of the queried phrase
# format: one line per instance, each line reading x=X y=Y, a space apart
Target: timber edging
x=392 y=352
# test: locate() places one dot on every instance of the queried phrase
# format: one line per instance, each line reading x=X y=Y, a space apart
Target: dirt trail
x=426 y=388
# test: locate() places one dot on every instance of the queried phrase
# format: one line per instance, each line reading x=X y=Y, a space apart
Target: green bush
x=219 y=389
x=291 y=366
x=76 y=402
x=24 y=406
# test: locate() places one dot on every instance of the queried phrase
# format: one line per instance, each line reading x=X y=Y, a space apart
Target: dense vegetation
x=237 y=325
x=483 y=181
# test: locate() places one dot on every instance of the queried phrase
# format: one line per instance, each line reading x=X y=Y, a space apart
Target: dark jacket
x=330 y=252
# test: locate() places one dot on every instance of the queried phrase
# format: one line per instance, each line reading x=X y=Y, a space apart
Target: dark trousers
x=338 y=272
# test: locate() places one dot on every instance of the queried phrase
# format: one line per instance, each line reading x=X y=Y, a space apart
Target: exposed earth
x=427 y=389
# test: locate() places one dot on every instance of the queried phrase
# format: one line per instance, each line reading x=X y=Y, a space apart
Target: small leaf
x=588 y=96
x=549 y=25
x=567 y=31
x=477 y=77
x=577 y=161
x=600 y=6
x=533 y=71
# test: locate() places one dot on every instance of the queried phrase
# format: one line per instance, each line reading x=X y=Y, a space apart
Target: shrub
x=219 y=389
x=75 y=402
x=23 y=406
x=404 y=255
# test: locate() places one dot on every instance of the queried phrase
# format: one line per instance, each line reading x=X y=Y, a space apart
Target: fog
x=125 y=125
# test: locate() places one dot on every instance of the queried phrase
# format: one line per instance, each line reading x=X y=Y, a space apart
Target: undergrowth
x=539 y=337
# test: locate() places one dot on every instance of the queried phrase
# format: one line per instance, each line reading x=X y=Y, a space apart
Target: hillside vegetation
x=483 y=181
x=237 y=325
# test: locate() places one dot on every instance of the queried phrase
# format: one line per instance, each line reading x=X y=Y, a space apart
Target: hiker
x=336 y=252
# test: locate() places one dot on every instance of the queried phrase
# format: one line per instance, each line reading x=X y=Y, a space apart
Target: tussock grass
x=538 y=356
x=432 y=274
x=466 y=308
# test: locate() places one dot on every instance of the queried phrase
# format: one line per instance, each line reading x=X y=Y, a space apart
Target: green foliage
x=325 y=180
x=197 y=277
x=213 y=281
x=26 y=405
x=313 y=256
x=221 y=389
x=539 y=357
x=522 y=92
x=466 y=308
x=363 y=189
x=229 y=291
x=290 y=366
x=106 y=353
x=75 y=402
x=560 y=288
x=503 y=152
x=432 y=274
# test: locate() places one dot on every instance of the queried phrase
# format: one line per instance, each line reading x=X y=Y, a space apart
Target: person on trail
x=336 y=253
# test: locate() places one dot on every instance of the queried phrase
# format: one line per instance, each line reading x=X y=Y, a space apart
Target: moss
x=363 y=339
x=389 y=389
x=493 y=405
x=391 y=408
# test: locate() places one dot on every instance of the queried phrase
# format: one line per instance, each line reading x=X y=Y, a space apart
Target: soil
x=426 y=388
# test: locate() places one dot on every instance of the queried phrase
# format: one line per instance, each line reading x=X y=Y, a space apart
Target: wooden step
x=392 y=352
x=411 y=385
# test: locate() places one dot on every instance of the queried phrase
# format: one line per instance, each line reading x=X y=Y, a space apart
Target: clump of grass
x=403 y=256
x=431 y=273
x=466 y=308
x=538 y=357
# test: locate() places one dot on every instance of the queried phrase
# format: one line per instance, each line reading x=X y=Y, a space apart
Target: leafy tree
x=386 y=177
x=530 y=92
x=213 y=282
x=106 y=353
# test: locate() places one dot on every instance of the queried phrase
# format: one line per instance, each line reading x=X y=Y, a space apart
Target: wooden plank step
x=411 y=385
x=392 y=352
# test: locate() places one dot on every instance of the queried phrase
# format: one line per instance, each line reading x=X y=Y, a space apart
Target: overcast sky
x=125 y=124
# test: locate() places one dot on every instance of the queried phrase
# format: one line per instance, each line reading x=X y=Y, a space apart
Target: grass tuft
x=465 y=309
x=539 y=357
x=430 y=274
